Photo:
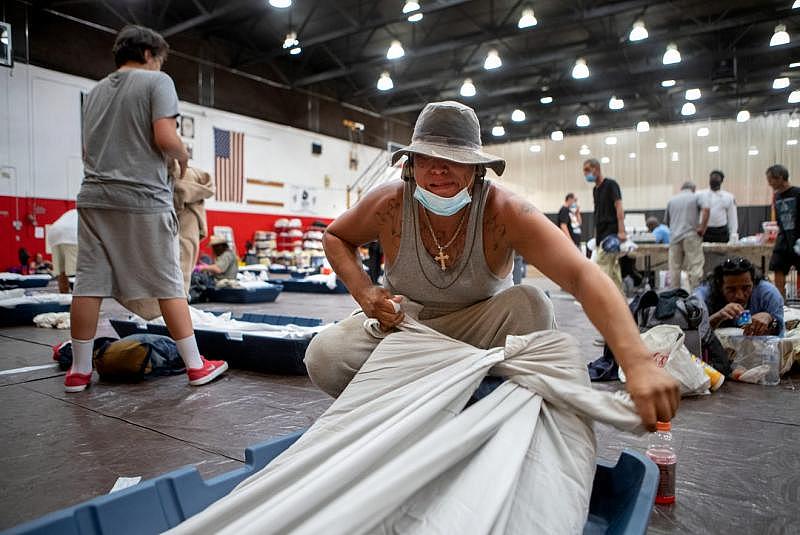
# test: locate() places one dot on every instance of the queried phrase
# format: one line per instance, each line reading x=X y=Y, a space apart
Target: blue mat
x=23 y=314
x=259 y=353
x=621 y=501
x=243 y=295
x=25 y=283
x=301 y=285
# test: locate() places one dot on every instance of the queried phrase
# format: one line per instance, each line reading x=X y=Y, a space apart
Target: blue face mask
x=590 y=177
x=443 y=206
x=573 y=206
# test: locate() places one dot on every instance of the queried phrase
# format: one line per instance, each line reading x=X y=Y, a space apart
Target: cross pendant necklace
x=442 y=256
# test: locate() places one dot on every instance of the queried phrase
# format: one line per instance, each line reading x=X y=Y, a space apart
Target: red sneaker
x=211 y=370
x=77 y=382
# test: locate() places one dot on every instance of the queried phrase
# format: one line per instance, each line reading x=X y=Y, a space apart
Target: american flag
x=229 y=165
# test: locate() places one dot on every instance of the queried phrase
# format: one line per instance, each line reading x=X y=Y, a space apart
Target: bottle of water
x=662 y=453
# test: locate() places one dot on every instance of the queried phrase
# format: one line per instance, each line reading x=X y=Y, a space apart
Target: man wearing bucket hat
x=226 y=265
x=449 y=237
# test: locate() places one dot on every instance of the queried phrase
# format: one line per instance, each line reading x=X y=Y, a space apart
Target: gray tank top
x=416 y=275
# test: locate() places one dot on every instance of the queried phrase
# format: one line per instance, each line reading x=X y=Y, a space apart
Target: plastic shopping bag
x=665 y=342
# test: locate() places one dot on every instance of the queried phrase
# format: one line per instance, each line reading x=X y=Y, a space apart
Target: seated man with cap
x=226 y=265
x=449 y=236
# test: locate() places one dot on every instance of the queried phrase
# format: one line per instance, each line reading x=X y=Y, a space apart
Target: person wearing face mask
x=569 y=219
x=723 y=223
x=449 y=235
x=609 y=219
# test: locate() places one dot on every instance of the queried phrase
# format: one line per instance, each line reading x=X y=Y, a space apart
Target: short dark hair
x=569 y=196
x=778 y=171
x=718 y=173
x=132 y=42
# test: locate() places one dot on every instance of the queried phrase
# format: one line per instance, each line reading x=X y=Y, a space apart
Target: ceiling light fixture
x=713 y=148
x=671 y=55
x=611 y=140
x=688 y=109
x=605 y=159
x=290 y=40
x=296 y=50
x=791 y=142
x=743 y=116
x=667 y=83
x=796 y=63
x=638 y=32
x=794 y=122
x=416 y=17
x=780 y=83
x=557 y=135
x=780 y=37
x=584 y=151
x=535 y=148
x=498 y=130
x=518 y=115
x=385 y=81
x=632 y=155
x=661 y=144
x=615 y=103
x=703 y=132
x=410 y=6
x=675 y=157
x=796 y=4
x=753 y=151
x=492 y=60
x=546 y=100
x=642 y=126
x=794 y=97
x=693 y=94
x=580 y=70
x=468 y=89
x=582 y=120
x=395 y=50
x=527 y=20
x=280 y=3
x=562 y=157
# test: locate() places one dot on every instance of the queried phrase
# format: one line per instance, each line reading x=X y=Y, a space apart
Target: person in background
x=127 y=228
x=659 y=230
x=569 y=219
x=609 y=219
x=787 y=210
x=250 y=256
x=62 y=236
x=24 y=259
x=733 y=287
x=723 y=223
x=226 y=265
x=40 y=266
x=683 y=212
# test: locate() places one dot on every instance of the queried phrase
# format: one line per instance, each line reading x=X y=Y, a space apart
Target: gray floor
x=737 y=449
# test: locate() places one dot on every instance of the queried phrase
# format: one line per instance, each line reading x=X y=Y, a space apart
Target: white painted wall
x=40 y=147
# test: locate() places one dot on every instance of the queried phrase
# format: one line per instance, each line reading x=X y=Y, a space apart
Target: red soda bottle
x=662 y=453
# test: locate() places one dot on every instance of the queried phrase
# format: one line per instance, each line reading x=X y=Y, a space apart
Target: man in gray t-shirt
x=123 y=169
x=686 y=237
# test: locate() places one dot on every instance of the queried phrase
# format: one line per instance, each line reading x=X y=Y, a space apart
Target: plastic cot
x=23 y=314
x=302 y=285
x=26 y=281
x=259 y=353
x=622 y=498
x=243 y=295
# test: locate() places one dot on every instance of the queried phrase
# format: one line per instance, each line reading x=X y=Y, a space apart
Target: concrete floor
x=738 y=464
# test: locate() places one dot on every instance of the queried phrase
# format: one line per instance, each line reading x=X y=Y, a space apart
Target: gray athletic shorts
x=128 y=255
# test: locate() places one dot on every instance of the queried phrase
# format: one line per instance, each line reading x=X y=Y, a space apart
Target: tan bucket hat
x=450 y=130
x=217 y=240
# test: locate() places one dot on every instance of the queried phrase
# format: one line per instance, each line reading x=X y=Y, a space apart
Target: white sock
x=82 y=356
x=187 y=348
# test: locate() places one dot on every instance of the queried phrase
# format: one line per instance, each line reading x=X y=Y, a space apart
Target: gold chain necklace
x=442 y=257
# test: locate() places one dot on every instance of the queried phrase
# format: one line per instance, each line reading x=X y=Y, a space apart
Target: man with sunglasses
x=733 y=288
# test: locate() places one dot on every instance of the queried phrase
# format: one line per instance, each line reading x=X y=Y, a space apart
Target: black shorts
x=783 y=260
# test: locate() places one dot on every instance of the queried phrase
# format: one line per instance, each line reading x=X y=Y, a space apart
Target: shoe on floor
x=599 y=342
x=211 y=370
x=77 y=382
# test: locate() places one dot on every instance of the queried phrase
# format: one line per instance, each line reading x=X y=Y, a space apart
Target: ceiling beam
x=227 y=7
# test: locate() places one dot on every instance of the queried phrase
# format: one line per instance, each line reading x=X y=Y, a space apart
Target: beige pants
x=335 y=355
x=686 y=255
x=609 y=264
x=65 y=256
